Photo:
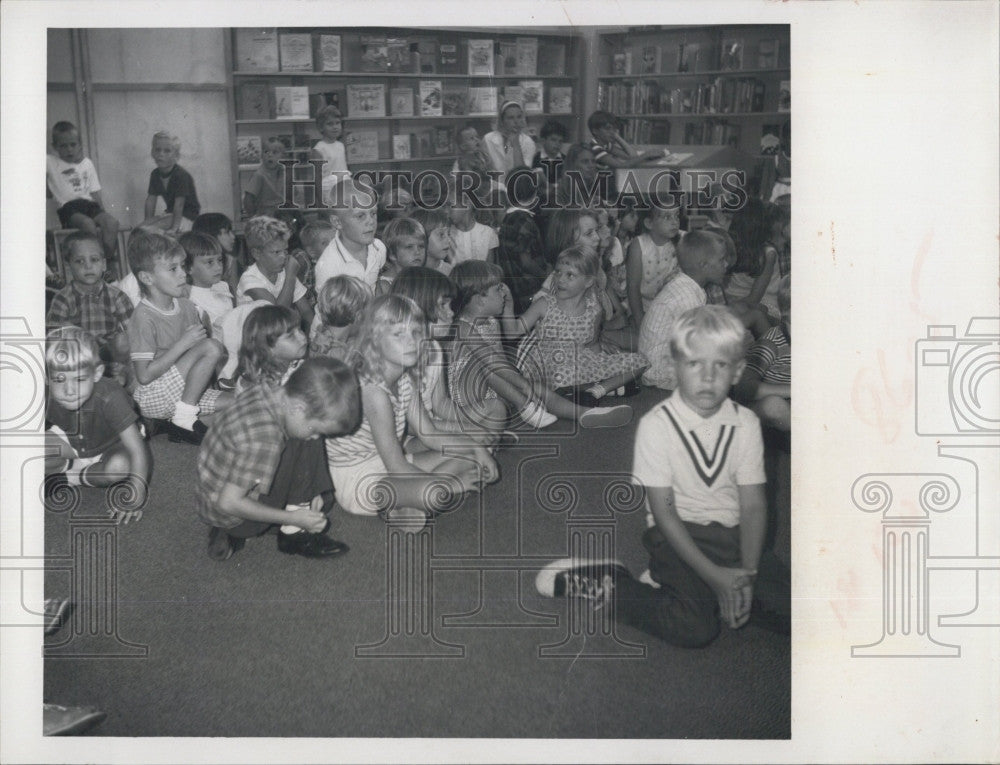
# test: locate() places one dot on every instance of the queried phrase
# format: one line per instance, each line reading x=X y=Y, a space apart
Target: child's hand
x=192 y=336
x=126 y=501
x=491 y=471
x=310 y=518
x=292 y=266
x=508 y=299
x=734 y=589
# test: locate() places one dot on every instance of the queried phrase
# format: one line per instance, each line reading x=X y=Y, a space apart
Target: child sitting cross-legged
x=314 y=237
x=405 y=246
x=173 y=357
x=354 y=250
x=273 y=345
x=93 y=437
x=341 y=302
x=700 y=459
x=262 y=464
x=273 y=276
x=472 y=239
x=440 y=246
x=766 y=384
x=204 y=265
x=370 y=471
x=220 y=227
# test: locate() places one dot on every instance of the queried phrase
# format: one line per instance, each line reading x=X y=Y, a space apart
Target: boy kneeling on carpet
x=700 y=458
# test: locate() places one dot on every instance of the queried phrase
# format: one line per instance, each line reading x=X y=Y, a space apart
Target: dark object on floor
x=310 y=545
x=590 y=580
x=221 y=546
x=578 y=394
x=57 y=611
x=177 y=434
x=69 y=721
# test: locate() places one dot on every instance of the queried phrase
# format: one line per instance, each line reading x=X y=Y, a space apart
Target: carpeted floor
x=267 y=644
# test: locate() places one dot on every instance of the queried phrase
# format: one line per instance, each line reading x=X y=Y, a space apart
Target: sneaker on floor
x=536 y=416
x=606 y=416
x=55 y=610
x=310 y=545
x=593 y=580
x=177 y=434
x=647 y=578
x=67 y=721
x=221 y=546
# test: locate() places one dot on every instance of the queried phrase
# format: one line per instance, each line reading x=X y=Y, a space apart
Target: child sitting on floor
x=220 y=226
x=651 y=259
x=93 y=438
x=266 y=188
x=766 y=384
x=257 y=470
x=204 y=266
x=369 y=469
x=354 y=250
x=700 y=459
x=439 y=246
x=274 y=275
x=172 y=182
x=405 y=246
x=471 y=238
x=341 y=302
x=314 y=237
x=173 y=358
x=273 y=345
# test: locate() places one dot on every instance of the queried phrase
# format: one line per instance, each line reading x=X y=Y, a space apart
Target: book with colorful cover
x=551 y=60
x=374 y=54
x=329 y=53
x=248 y=150
x=365 y=100
x=560 y=100
x=483 y=101
x=442 y=142
x=785 y=96
x=506 y=61
x=481 y=58
x=649 y=63
x=255 y=100
x=731 y=59
x=401 y=102
x=448 y=58
x=291 y=102
x=454 y=99
x=767 y=54
x=688 y=57
x=402 y=146
x=430 y=98
x=361 y=146
x=532 y=96
x=427 y=56
x=296 y=51
x=398 y=53
x=425 y=143
x=527 y=56
x=257 y=50
x=510 y=93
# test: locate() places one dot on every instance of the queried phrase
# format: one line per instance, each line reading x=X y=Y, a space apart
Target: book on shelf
x=689 y=57
x=296 y=51
x=506 y=61
x=398 y=54
x=374 y=54
x=430 y=98
x=365 y=100
x=621 y=63
x=425 y=142
x=527 y=56
x=327 y=98
x=454 y=99
x=785 y=96
x=483 y=101
x=532 y=96
x=291 y=102
x=731 y=58
x=442 y=141
x=361 y=146
x=510 y=93
x=711 y=133
x=255 y=100
x=770 y=139
x=401 y=102
x=426 y=57
x=248 y=150
x=329 y=53
x=481 y=58
x=256 y=50
x=561 y=100
x=448 y=58
x=401 y=146
x=551 y=60
x=767 y=54
x=649 y=63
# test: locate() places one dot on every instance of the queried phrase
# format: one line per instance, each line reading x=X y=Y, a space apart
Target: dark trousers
x=302 y=474
x=684 y=611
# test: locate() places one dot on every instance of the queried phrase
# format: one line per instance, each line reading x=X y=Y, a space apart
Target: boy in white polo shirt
x=354 y=251
x=700 y=458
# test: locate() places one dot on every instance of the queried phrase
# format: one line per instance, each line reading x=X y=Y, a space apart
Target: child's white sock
x=185 y=415
x=288 y=528
x=533 y=414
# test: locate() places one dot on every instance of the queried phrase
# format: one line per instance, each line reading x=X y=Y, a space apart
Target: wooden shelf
x=706 y=73
x=702 y=115
x=408 y=75
x=389 y=118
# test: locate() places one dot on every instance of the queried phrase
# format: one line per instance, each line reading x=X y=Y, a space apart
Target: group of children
x=378 y=366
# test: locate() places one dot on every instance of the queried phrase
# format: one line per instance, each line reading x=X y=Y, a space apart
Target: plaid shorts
x=158 y=399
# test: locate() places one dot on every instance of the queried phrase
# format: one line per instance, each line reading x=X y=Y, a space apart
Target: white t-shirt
x=130 y=286
x=216 y=300
x=253 y=279
x=474 y=244
x=336 y=260
x=68 y=181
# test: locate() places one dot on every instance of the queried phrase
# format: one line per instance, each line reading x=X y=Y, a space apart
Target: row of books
x=712 y=133
x=267 y=50
x=259 y=100
x=695 y=57
x=640 y=131
x=724 y=95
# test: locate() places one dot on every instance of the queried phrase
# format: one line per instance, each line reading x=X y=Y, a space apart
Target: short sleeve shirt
x=771 y=357
x=152 y=331
x=216 y=301
x=267 y=189
x=336 y=260
x=177 y=183
x=99 y=423
x=253 y=279
x=474 y=244
x=704 y=460
x=68 y=181
x=680 y=294
x=100 y=313
x=243 y=447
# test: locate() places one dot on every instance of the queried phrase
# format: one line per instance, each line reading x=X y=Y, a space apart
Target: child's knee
x=107 y=222
x=212 y=349
x=773 y=410
x=117 y=465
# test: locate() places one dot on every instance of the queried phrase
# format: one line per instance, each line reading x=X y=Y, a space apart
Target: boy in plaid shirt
x=90 y=302
x=173 y=357
x=253 y=472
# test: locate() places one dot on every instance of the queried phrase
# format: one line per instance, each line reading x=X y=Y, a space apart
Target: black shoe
x=310 y=545
x=221 y=546
x=177 y=434
x=591 y=580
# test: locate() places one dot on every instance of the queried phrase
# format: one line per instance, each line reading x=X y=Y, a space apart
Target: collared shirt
x=100 y=313
x=336 y=260
x=254 y=279
x=703 y=459
x=677 y=296
x=243 y=447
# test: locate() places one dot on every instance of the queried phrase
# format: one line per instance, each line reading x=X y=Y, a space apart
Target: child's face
x=357 y=225
x=206 y=270
x=468 y=140
x=167 y=277
x=605 y=134
x=443 y=312
x=331 y=129
x=552 y=144
x=492 y=300
x=291 y=346
x=568 y=281
x=665 y=224
x=164 y=154
x=271 y=258
x=410 y=251
x=87 y=264
x=227 y=239
x=705 y=374
x=586 y=165
x=399 y=344
x=272 y=153
x=512 y=120
x=716 y=265
x=439 y=244
x=587 y=233
x=603 y=228
x=629 y=221
x=67 y=146
x=319 y=242
x=71 y=390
